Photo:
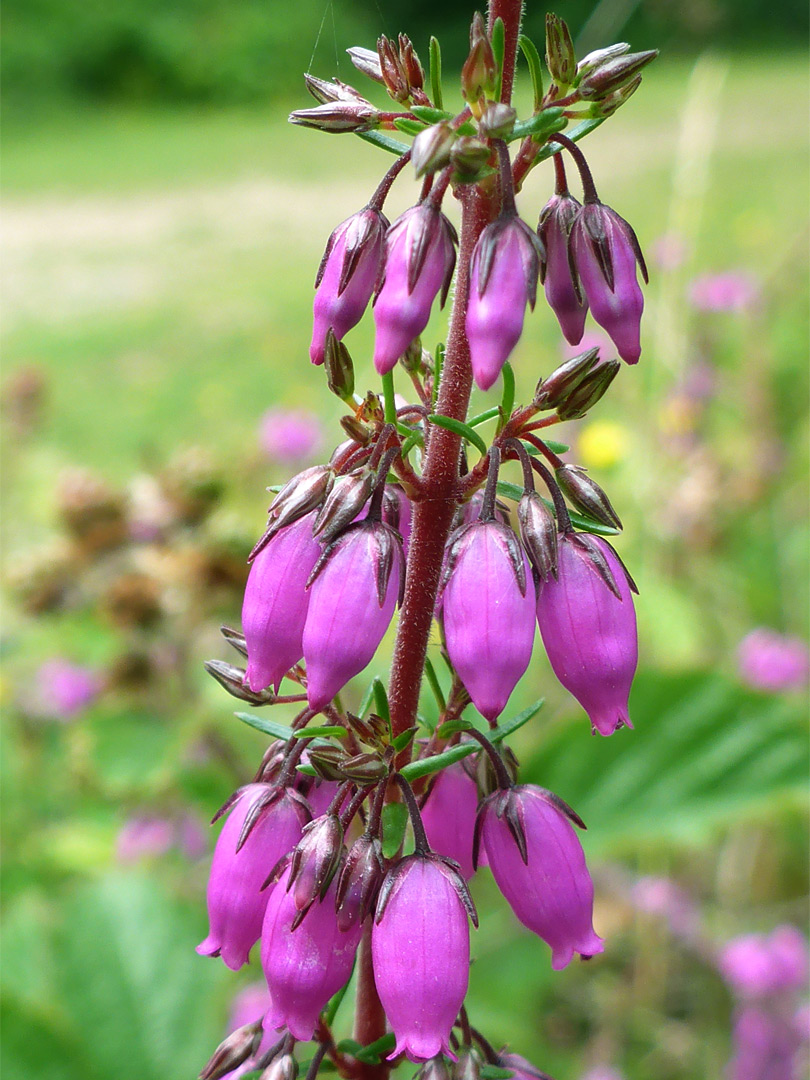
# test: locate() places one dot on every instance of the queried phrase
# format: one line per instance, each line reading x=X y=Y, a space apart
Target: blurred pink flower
x=757 y=966
x=249 y=1004
x=192 y=836
x=765 y=1047
x=60 y=690
x=668 y=252
x=660 y=896
x=602 y=1072
x=144 y=837
x=734 y=290
x=771 y=661
x=289 y=435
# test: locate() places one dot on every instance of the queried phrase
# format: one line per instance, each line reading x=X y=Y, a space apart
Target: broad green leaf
x=704 y=751
x=265 y=725
x=394 y=823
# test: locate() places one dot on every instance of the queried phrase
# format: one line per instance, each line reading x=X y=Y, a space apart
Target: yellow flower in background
x=603 y=443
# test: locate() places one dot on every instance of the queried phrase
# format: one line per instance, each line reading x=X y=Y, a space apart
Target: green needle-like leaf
x=265 y=725
x=459 y=428
x=436 y=72
x=532 y=57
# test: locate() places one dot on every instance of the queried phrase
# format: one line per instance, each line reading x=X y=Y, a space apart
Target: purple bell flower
x=236 y=902
x=554 y=229
x=766 y=1046
x=588 y=624
x=604 y=250
x=539 y=866
x=488 y=604
x=420 y=948
x=420 y=256
x=449 y=816
x=306 y=965
x=276 y=602
x=354 y=590
x=503 y=279
x=347 y=276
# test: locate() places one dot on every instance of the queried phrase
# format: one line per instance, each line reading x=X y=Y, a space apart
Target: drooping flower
x=304 y=966
x=420 y=256
x=289 y=435
x=773 y=662
x=276 y=602
x=604 y=252
x=503 y=280
x=353 y=593
x=449 y=816
x=488 y=603
x=236 y=902
x=347 y=276
x=539 y=866
x=588 y=624
x=421 y=953
x=554 y=228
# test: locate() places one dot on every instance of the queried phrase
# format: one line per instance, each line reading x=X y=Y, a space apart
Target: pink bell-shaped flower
x=588 y=624
x=347 y=276
x=236 y=903
x=305 y=956
x=488 y=603
x=554 y=228
x=539 y=866
x=420 y=256
x=276 y=601
x=449 y=816
x=353 y=592
x=421 y=953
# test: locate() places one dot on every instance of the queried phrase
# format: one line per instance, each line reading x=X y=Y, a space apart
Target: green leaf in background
x=265 y=725
x=394 y=823
x=704 y=751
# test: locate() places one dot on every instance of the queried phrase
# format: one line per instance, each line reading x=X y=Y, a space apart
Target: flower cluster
x=317 y=858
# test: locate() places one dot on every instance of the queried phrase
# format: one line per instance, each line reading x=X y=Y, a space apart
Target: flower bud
x=410 y=64
x=302 y=493
x=588 y=624
x=353 y=593
x=304 y=966
x=314 y=860
x=539 y=866
x=367 y=61
x=327 y=761
x=339 y=368
x=365 y=768
x=335 y=90
x=469 y=156
x=554 y=390
x=232 y=679
x=467 y=1066
x=233 y=1051
x=598 y=57
x=359 y=881
x=591 y=390
x=604 y=251
x=554 y=228
x=419 y=260
x=431 y=148
x=608 y=105
x=282 y=1067
x=503 y=279
x=276 y=602
x=347 y=276
x=394 y=76
x=497 y=121
x=337 y=116
x=521 y=1068
x=479 y=74
x=236 y=902
x=420 y=946
x=560 y=58
x=586 y=495
x=449 y=817
x=538 y=531
x=613 y=74
x=348 y=496
x=488 y=601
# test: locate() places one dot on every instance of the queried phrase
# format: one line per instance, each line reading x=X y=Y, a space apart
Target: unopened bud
x=413 y=357
x=586 y=495
x=409 y=62
x=467 y=1066
x=364 y=768
x=538 y=531
x=231 y=1053
x=598 y=57
x=356 y=430
x=336 y=116
x=339 y=368
x=431 y=148
x=552 y=391
x=327 y=761
x=300 y=494
x=608 y=105
x=314 y=860
x=359 y=882
x=590 y=390
x=366 y=61
x=560 y=57
x=434 y=1069
x=480 y=71
x=497 y=121
x=283 y=1067
x=344 y=502
x=235 y=639
x=614 y=74
x=233 y=680
x=372 y=408
x=469 y=156
x=394 y=77
x=324 y=91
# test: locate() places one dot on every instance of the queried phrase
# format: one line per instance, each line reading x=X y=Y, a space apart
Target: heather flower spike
x=410 y=508
x=539 y=866
x=420 y=257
